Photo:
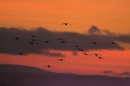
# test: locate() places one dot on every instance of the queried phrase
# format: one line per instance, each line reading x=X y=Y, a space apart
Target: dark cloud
x=109 y=72
x=117 y=74
x=107 y=32
x=10 y=45
x=74 y=53
x=124 y=74
x=94 y=30
x=53 y=54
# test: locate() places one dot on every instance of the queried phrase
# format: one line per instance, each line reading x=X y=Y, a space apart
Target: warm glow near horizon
x=79 y=64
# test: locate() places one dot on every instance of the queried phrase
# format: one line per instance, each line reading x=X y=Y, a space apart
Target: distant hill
x=16 y=75
x=10 y=68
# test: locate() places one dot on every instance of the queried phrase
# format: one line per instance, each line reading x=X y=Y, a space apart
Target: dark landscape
x=16 y=75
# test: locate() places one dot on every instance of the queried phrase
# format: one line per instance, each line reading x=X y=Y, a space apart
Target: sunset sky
x=103 y=21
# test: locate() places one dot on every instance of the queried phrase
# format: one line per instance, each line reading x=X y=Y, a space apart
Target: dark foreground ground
x=10 y=75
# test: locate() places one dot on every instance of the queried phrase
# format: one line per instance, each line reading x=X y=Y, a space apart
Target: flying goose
x=94 y=43
x=49 y=66
x=65 y=24
x=60 y=60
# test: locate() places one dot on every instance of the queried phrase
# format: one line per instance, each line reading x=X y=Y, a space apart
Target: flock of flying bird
x=61 y=40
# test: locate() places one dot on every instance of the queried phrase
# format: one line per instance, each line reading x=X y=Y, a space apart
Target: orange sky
x=113 y=15
x=108 y=14
x=117 y=61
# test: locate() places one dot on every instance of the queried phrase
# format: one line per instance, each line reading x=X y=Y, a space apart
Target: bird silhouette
x=32 y=43
x=60 y=60
x=94 y=43
x=49 y=66
x=114 y=43
x=34 y=40
x=65 y=24
x=33 y=36
x=76 y=46
x=21 y=53
x=17 y=38
x=100 y=57
x=59 y=39
x=63 y=42
x=86 y=54
x=47 y=41
x=96 y=54
x=80 y=49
